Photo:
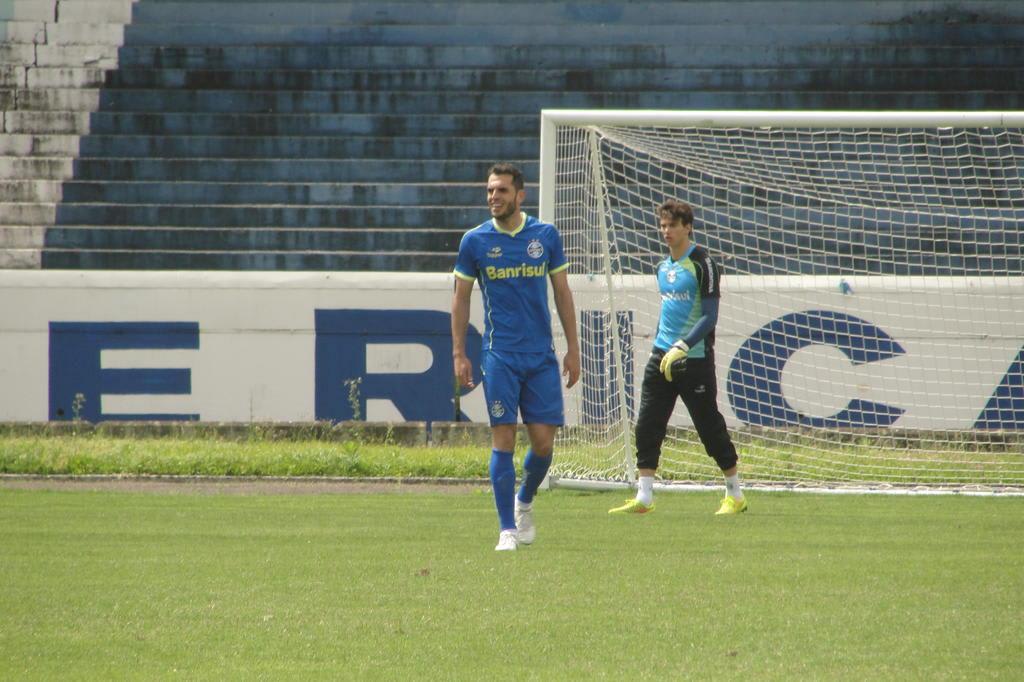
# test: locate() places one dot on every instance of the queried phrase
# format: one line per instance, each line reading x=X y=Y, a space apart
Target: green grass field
x=957 y=464
x=102 y=585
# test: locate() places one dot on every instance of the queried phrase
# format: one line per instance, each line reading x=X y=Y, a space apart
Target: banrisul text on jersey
x=512 y=269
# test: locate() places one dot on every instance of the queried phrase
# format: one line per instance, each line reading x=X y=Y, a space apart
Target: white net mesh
x=872 y=319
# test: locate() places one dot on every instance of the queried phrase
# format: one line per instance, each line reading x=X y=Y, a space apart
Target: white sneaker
x=507 y=541
x=524 y=524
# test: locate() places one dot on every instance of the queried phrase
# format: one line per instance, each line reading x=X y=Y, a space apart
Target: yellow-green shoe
x=633 y=506
x=730 y=505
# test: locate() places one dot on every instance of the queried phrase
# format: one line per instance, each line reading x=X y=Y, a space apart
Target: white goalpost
x=871 y=330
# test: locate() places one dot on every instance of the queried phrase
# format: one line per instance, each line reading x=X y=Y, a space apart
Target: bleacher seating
x=240 y=134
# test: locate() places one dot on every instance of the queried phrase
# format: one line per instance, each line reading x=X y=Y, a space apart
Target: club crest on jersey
x=671 y=276
x=497 y=409
x=535 y=249
x=494 y=252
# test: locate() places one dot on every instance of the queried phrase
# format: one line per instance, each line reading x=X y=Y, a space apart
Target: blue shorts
x=526 y=383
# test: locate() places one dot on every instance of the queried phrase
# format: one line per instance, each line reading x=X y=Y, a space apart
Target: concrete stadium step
x=20 y=259
x=697 y=35
x=566 y=56
x=84 y=33
x=22 y=236
x=406 y=80
x=834 y=160
x=57 y=77
x=101 y=56
x=38 y=191
x=47 y=122
x=25 y=10
x=320 y=102
x=25 y=32
x=266 y=170
x=753 y=12
x=92 y=11
x=316 y=125
x=63 y=34
x=54 y=258
x=524 y=103
x=827 y=264
x=71 y=11
x=294 y=194
x=262 y=239
x=556 y=80
x=386 y=57
x=14 y=257
x=29 y=213
x=799 y=220
x=22 y=144
x=35 y=167
x=335 y=147
x=310 y=217
x=12 y=76
x=17 y=53
x=67 y=99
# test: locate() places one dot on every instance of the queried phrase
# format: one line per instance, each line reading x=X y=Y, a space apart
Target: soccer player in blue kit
x=512 y=256
x=682 y=364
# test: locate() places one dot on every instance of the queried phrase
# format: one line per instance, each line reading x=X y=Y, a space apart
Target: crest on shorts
x=497 y=409
x=535 y=249
x=494 y=252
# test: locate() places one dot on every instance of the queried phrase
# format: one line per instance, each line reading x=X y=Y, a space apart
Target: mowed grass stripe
x=94 y=454
x=407 y=586
x=90 y=455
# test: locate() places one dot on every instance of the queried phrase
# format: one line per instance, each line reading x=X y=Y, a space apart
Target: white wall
x=256 y=355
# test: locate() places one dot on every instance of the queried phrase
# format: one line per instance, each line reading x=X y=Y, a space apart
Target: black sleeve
x=708 y=274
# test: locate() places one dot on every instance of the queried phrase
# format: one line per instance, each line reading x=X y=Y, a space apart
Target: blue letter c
x=755 y=375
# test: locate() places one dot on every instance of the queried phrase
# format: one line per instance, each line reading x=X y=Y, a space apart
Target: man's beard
x=507 y=214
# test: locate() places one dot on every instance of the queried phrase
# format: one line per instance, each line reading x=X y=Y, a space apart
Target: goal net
x=871 y=328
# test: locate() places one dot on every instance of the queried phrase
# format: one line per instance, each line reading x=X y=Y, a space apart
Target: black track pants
x=693 y=381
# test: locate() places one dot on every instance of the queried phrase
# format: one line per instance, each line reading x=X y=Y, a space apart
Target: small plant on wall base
x=353 y=397
x=352 y=445
x=76 y=407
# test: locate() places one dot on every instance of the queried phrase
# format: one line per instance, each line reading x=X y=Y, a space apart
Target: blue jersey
x=684 y=284
x=513 y=268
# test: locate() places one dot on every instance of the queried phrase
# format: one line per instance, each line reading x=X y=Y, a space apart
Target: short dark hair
x=677 y=210
x=508 y=169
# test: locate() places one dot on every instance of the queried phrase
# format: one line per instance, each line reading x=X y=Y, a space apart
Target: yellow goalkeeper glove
x=676 y=353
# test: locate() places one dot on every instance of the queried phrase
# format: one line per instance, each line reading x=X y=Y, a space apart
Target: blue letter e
x=77 y=381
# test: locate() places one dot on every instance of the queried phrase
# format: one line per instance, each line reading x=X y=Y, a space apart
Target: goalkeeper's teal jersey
x=684 y=284
x=512 y=269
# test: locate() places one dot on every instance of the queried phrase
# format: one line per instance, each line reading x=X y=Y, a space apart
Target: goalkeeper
x=682 y=364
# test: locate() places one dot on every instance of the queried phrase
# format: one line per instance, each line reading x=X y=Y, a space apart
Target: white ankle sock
x=645 y=490
x=732 y=487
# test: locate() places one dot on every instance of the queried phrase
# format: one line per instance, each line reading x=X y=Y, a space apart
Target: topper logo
x=349 y=342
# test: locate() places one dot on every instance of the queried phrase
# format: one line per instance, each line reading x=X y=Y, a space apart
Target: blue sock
x=536 y=468
x=503 y=480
